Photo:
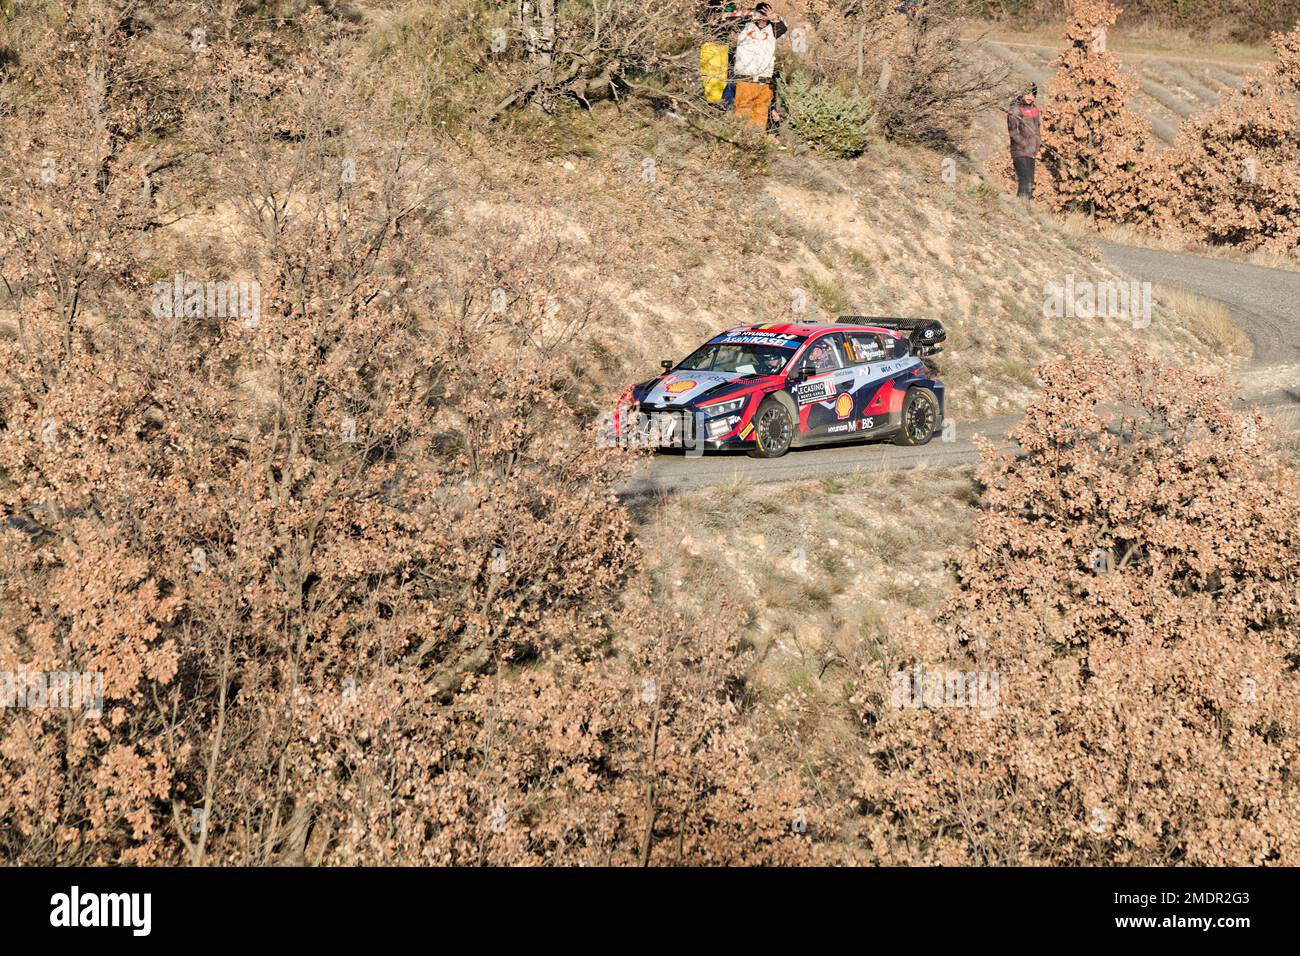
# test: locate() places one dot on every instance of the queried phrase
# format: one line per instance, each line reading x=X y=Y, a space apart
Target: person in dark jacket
x=1023 y=126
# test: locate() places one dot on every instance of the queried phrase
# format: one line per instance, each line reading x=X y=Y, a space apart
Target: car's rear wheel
x=773 y=431
x=920 y=417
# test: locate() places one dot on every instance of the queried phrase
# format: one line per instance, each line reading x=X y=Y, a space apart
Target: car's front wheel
x=773 y=431
x=920 y=417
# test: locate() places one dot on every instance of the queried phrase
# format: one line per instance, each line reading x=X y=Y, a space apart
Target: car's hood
x=679 y=388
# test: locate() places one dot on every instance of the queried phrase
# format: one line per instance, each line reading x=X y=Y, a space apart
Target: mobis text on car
x=767 y=388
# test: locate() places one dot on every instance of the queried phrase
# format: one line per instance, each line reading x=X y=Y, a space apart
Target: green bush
x=834 y=118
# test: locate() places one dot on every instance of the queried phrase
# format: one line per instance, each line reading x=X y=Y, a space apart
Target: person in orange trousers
x=753 y=101
x=755 y=62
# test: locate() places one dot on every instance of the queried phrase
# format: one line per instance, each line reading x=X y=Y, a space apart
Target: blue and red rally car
x=768 y=388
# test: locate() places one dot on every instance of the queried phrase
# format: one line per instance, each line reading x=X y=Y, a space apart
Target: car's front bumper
x=686 y=429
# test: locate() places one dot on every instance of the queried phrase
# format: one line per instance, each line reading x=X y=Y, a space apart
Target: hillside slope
x=682 y=237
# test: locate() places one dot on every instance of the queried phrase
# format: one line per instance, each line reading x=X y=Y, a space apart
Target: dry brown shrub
x=1095 y=148
x=593 y=759
x=936 y=83
x=1148 y=714
x=353 y=573
x=552 y=50
x=1233 y=177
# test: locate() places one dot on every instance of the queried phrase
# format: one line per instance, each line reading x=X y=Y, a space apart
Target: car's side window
x=823 y=355
x=867 y=347
x=848 y=349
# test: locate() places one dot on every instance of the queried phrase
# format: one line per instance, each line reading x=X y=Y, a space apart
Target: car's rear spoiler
x=923 y=335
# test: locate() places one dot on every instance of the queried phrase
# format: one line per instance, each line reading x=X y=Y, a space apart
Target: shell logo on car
x=844 y=406
x=683 y=386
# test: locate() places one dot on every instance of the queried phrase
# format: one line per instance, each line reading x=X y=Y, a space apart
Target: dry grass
x=814 y=560
x=1208 y=320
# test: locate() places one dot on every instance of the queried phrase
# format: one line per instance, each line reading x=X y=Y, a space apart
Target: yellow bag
x=713 y=70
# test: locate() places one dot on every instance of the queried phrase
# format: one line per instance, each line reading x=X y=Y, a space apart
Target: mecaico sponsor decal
x=814 y=390
x=844 y=406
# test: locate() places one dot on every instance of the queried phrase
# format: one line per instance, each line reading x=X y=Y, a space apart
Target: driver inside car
x=820 y=358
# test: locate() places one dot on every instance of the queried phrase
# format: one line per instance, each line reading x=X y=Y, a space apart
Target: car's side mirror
x=666 y=365
x=801 y=373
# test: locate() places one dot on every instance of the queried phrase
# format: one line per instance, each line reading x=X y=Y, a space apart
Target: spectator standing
x=755 y=62
x=1024 y=128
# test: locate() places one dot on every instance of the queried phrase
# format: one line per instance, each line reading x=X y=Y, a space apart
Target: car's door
x=877 y=362
x=823 y=388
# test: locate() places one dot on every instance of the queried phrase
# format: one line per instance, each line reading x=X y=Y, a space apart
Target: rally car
x=766 y=389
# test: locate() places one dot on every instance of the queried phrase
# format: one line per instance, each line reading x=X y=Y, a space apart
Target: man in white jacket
x=755 y=62
x=756 y=43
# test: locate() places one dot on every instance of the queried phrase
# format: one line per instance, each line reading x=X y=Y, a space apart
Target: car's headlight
x=726 y=408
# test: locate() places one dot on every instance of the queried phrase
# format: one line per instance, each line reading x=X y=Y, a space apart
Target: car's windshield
x=745 y=359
